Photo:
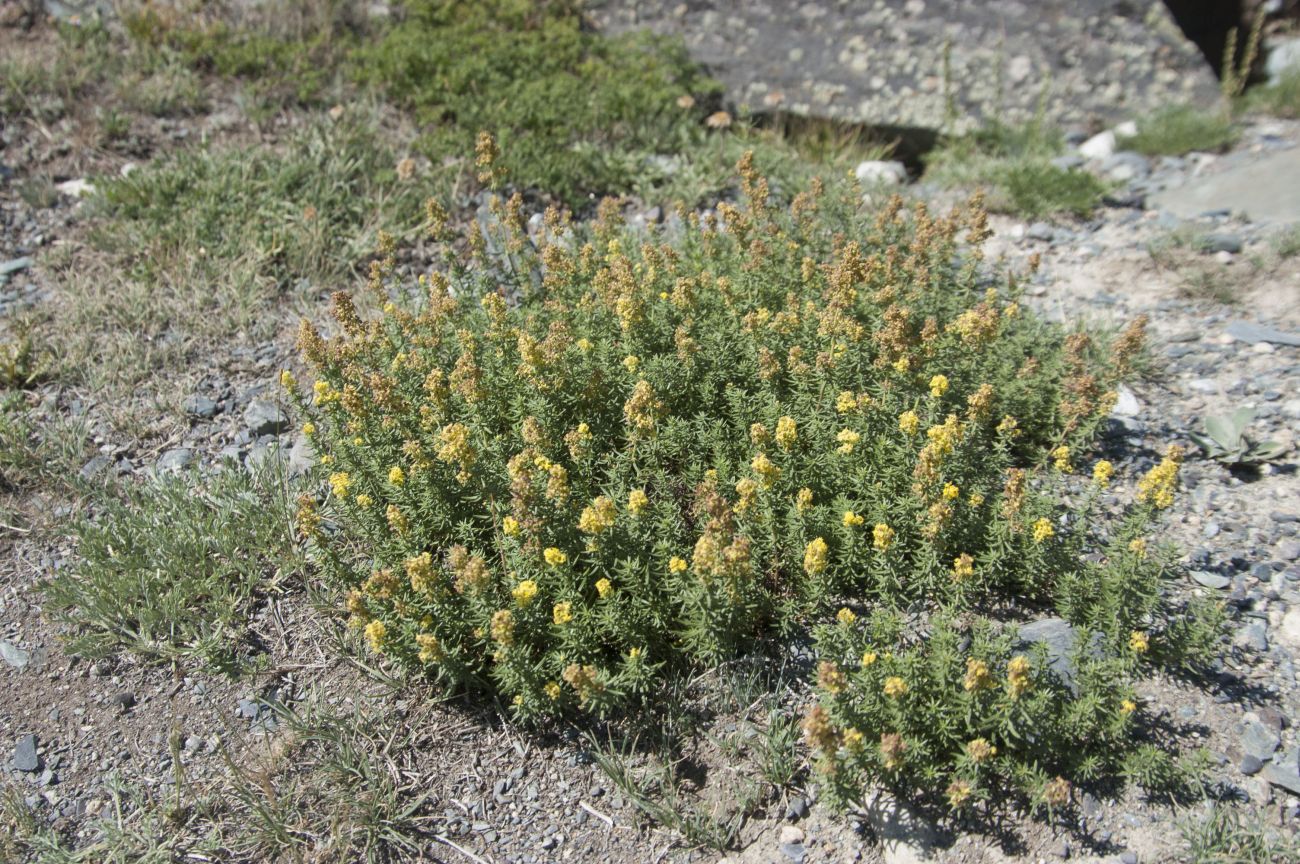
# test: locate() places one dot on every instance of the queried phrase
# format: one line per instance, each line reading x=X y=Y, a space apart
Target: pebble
x=25 y=755
x=174 y=461
x=265 y=418
x=201 y=407
x=13 y=655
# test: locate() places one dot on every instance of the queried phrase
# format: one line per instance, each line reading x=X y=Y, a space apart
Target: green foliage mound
x=577 y=462
x=576 y=112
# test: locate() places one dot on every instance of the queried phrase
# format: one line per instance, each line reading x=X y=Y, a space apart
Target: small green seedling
x=1225 y=440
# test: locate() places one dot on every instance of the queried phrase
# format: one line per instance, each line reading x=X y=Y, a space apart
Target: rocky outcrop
x=917 y=63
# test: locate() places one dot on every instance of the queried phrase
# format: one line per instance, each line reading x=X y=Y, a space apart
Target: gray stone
x=1210 y=580
x=1061 y=641
x=905 y=63
x=13 y=265
x=794 y=851
x=265 y=418
x=174 y=461
x=1125 y=166
x=1259 y=741
x=1263 y=188
x=882 y=173
x=1254 y=636
x=13 y=655
x=201 y=406
x=1041 y=231
x=1250 y=765
x=1285 y=776
x=25 y=755
x=1245 y=331
x=95 y=466
x=1222 y=242
x=1126 y=403
x=1283 y=56
x=797 y=808
x=1100 y=146
x=302 y=456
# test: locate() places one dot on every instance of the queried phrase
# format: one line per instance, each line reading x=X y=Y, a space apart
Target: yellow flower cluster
x=562 y=613
x=524 y=593
x=1158 y=485
x=637 y=502
x=786 y=432
x=340 y=484
x=1043 y=530
x=554 y=557
x=1061 y=459
x=454 y=448
x=895 y=687
x=848 y=439
x=938 y=386
x=803 y=499
x=1102 y=472
x=598 y=517
x=909 y=423
x=765 y=469
x=978 y=676
x=852 y=520
x=882 y=537
x=815 y=557
x=963 y=567
x=846 y=617
x=1018 y=676
x=1139 y=642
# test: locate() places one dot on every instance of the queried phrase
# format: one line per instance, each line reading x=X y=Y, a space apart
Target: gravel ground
x=489 y=792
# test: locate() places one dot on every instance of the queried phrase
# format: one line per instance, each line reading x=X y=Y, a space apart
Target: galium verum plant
x=581 y=458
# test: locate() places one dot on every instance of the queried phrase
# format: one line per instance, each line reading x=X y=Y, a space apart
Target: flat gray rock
x=1263 y=189
x=25 y=755
x=886 y=63
x=265 y=418
x=1245 y=331
x=14 y=656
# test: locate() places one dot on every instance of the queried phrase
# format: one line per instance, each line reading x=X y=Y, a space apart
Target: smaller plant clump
x=1225 y=440
x=1182 y=129
x=579 y=462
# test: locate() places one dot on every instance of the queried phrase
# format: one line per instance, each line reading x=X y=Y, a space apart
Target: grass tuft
x=174 y=567
x=1182 y=129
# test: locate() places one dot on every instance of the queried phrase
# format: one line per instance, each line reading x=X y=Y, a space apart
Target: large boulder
x=898 y=63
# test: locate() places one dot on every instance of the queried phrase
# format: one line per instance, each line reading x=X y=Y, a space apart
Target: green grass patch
x=1013 y=165
x=201 y=246
x=1281 y=99
x=576 y=113
x=172 y=568
x=1227 y=836
x=1182 y=129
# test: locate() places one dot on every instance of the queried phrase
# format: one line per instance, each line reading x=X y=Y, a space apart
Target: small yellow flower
x=846 y=617
x=510 y=526
x=554 y=556
x=677 y=565
x=396 y=475
x=814 y=557
x=882 y=537
x=1061 y=459
x=631 y=363
x=980 y=750
x=637 y=502
x=976 y=499
x=1043 y=530
x=562 y=613
x=604 y=588
x=868 y=659
x=803 y=499
x=327 y=459
x=396 y=519
x=524 y=593
x=1138 y=642
x=357 y=441
x=584 y=345
x=364 y=501
x=963 y=566
x=766 y=470
x=909 y=423
x=977 y=676
x=938 y=386
x=375 y=631
x=1018 y=675
x=958 y=792
x=599 y=517
x=287 y=380
x=852 y=519
x=309 y=429
x=634 y=654
x=951 y=492
x=552 y=690
x=1009 y=427
x=1138 y=547
x=902 y=364
x=895 y=687
x=430 y=650
x=503 y=627
x=1128 y=706
x=852 y=739
x=848 y=440
x=340 y=483
x=786 y=432
x=846 y=402
x=1102 y=472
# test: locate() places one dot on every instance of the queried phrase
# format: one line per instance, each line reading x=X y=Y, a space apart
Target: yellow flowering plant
x=829 y=408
